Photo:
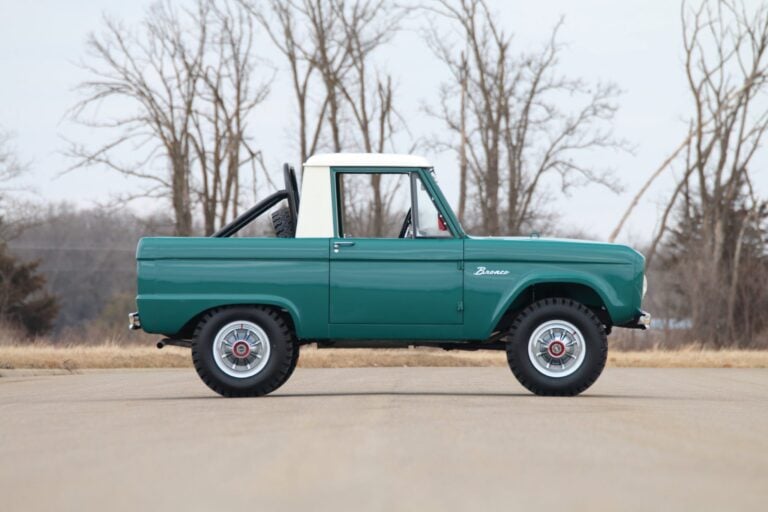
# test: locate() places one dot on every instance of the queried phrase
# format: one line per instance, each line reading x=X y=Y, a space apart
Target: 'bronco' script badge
x=482 y=271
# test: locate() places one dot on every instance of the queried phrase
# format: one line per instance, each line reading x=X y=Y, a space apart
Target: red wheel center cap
x=556 y=349
x=241 y=349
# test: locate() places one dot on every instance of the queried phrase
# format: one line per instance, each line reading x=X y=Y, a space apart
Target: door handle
x=336 y=245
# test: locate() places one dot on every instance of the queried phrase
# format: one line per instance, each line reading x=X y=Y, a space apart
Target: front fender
x=618 y=310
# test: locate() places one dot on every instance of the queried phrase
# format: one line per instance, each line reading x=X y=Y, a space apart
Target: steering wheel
x=406 y=223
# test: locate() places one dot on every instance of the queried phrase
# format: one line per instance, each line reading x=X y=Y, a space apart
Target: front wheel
x=244 y=351
x=557 y=347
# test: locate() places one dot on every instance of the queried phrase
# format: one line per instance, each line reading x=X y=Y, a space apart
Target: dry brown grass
x=44 y=356
x=689 y=357
x=108 y=355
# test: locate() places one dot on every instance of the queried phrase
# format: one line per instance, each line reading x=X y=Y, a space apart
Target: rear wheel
x=244 y=351
x=557 y=347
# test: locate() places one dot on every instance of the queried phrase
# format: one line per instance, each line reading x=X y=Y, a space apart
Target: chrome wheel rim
x=556 y=348
x=241 y=349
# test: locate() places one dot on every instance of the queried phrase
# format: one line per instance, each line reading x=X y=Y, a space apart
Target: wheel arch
x=585 y=291
x=283 y=307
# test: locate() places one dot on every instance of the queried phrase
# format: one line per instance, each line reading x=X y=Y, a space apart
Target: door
x=400 y=266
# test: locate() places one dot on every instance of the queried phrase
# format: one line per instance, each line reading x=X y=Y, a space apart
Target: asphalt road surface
x=385 y=439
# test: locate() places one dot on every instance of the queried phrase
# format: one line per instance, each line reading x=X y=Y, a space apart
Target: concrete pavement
x=385 y=439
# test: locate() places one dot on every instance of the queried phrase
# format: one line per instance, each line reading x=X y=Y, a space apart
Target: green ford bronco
x=347 y=270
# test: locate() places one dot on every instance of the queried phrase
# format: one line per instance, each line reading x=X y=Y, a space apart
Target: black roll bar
x=249 y=215
x=289 y=176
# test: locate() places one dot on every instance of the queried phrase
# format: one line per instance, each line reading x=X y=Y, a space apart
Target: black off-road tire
x=292 y=366
x=282 y=222
x=595 y=341
x=282 y=358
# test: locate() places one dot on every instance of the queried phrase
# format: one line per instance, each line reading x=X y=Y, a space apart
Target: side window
x=430 y=224
x=361 y=215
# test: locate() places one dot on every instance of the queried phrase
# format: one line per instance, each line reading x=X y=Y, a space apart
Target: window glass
x=430 y=223
x=362 y=215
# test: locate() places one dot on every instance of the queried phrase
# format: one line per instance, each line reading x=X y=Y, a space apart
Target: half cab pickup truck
x=348 y=270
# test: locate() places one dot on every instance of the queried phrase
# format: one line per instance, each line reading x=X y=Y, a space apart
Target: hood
x=551 y=250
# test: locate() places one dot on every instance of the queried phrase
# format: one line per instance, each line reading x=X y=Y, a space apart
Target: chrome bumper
x=134 y=322
x=644 y=320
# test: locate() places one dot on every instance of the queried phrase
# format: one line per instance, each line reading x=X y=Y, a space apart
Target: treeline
x=196 y=76
x=87 y=257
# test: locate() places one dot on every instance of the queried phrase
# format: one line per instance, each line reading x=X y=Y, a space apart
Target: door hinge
x=460 y=306
x=460 y=265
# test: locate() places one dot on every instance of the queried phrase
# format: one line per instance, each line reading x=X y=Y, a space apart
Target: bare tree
x=309 y=34
x=715 y=218
x=369 y=96
x=511 y=132
x=16 y=213
x=712 y=234
x=228 y=96
x=463 y=81
x=332 y=40
x=182 y=69
x=328 y=55
x=330 y=43
x=367 y=26
x=157 y=70
x=290 y=30
x=10 y=165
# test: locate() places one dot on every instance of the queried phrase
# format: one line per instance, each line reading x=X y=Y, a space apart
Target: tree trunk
x=463 y=164
x=180 y=199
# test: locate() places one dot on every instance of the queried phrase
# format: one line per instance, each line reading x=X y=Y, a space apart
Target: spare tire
x=282 y=222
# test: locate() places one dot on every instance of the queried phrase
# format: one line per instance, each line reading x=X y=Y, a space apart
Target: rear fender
x=174 y=316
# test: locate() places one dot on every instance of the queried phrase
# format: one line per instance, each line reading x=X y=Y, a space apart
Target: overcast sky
x=634 y=43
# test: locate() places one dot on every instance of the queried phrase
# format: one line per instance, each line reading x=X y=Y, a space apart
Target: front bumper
x=134 y=322
x=643 y=321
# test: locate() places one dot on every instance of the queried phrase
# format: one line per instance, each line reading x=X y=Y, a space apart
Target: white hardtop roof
x=366 y=160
